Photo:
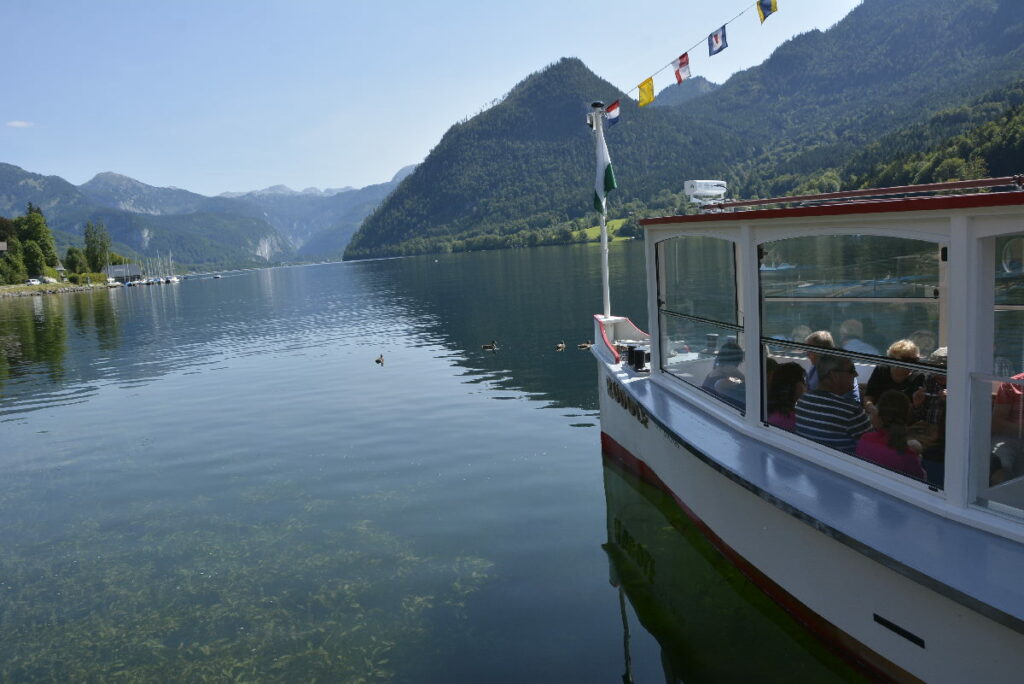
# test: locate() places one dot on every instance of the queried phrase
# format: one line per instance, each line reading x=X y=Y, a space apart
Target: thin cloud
x=20 y=124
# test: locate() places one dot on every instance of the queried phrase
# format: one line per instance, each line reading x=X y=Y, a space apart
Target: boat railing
x=614 y=333
x=1014 y=182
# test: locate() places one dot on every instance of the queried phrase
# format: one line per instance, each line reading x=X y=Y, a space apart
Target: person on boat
x=887 y=445
x=823 y=339
x=787 y=384
x=1008 y=431
x=885 y=378
x=851 y=332
x=726 y=379
x=929 y=419
x=825 y=414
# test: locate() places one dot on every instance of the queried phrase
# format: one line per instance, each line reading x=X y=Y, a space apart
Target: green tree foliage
x=35 y=260
x=12 y=265
x=75 y=261
x=97 y=246
x=32 y=228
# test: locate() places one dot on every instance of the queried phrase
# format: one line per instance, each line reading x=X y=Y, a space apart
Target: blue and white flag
x=717 y=42
x=611 y=113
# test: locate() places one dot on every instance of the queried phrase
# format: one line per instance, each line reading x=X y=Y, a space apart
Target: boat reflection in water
x=711 y=623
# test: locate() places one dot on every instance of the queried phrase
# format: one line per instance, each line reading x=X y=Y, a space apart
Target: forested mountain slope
x=520 y=173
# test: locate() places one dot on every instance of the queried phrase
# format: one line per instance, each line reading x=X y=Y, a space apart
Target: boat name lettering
x=635 y=550
x=616 y=392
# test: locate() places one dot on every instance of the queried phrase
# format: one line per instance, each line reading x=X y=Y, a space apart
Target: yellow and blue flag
x=766 y=7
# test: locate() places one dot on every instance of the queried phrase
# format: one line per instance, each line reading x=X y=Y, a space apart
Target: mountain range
x=908 y=91
x=523 y=169
x=254 y=228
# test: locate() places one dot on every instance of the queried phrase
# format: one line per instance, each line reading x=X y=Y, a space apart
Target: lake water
x=214 y=480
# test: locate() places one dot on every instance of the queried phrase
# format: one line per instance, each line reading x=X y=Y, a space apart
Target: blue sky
x=226 y=95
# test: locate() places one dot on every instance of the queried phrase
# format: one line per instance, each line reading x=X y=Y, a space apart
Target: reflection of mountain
x=711 y=623
x=526 y=300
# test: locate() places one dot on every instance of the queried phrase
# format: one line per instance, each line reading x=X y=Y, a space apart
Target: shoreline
x=38 y=290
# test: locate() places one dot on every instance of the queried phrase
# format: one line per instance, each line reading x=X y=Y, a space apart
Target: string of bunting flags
x=717 y=41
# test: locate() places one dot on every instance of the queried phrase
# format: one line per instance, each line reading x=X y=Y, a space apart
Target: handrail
x=1017 y=181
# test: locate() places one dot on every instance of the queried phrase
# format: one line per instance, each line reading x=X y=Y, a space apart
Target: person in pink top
x=787 y=384
x=887 y=445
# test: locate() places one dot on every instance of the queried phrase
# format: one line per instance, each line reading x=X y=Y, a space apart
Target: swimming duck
x=560 y=346
x=379 y=360
x=585 y=345
x=493 y=346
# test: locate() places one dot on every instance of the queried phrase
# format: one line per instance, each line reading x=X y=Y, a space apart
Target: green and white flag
x=605 y=181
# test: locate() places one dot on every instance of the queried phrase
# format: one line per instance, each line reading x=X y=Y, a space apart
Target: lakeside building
x=123 y=273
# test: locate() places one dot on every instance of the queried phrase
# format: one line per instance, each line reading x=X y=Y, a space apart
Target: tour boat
x=910 y=574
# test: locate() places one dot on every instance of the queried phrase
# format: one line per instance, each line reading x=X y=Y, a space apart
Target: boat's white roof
x=863 y=206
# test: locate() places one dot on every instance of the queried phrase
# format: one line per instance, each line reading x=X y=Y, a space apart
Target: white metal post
x=598 y=122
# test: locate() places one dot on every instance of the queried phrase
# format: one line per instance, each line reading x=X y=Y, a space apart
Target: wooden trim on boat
x=854 y=652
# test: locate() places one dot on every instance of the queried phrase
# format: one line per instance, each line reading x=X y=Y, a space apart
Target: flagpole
x=598 y=121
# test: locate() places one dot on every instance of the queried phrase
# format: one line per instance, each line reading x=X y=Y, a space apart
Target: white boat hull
x=891 y=625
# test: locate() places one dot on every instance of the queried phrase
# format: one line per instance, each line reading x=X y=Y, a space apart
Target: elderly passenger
x=825 y=414
x=904 y=380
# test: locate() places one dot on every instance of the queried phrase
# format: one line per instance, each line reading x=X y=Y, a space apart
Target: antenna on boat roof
x=705 y=192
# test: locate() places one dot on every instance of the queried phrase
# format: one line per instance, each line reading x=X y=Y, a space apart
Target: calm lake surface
x=213 y=480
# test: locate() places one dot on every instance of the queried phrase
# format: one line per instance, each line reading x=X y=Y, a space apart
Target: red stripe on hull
x=859 y=655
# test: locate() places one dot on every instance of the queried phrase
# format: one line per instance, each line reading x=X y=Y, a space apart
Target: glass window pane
x=867 y=291
x=705 y=355
x=999 y=470
x=698 y=278
x=850 y=266
x=867 y=327
x=1008 y=350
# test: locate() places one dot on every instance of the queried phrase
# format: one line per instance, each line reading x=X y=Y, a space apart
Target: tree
x=32 y=228
x=97 y=246
x=12 y=267
x=35 y=260
x=75 y=261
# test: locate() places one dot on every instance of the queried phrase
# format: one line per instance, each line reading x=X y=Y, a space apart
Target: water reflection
x=710 y=623
x=33 y=339
x=526 y=300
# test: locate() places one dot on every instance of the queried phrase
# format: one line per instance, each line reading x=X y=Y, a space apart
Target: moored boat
x=913 y=572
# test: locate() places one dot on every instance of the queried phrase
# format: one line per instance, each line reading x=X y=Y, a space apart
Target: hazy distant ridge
x=252 y=228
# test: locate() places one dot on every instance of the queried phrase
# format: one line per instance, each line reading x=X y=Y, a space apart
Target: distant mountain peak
x=276 y=190
x=110 y=178
x=678 y=93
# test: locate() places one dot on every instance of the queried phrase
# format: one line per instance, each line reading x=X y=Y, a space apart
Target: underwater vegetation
x=271 y=585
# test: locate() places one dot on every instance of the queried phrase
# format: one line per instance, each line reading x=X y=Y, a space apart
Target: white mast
x=597 y=123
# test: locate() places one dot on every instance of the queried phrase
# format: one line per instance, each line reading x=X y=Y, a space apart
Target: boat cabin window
x=874 y=301
x=700 y=323
x=998 y=459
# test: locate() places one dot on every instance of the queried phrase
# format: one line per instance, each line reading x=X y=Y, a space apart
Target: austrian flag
x=682 y=67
